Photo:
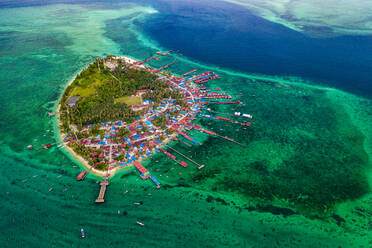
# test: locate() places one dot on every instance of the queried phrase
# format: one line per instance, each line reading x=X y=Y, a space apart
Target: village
x=120 y=144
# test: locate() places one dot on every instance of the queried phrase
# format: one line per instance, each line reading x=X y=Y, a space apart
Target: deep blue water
x=230 y=36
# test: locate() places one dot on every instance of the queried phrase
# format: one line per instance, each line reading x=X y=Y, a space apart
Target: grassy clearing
x=129 y=100
x=89 y=80
x=83 y=92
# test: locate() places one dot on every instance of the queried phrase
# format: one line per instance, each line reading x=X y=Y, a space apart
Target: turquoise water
x=302 y=180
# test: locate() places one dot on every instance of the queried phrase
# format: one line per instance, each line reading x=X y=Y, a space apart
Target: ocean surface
x=301 y=180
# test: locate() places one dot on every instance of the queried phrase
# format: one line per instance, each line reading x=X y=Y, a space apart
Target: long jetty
x=230 y=139
x=200 y=166
x=223 y=137
x=101 y=195
x=185 y=143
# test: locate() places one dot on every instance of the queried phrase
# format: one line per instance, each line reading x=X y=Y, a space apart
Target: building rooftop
x=72 y=100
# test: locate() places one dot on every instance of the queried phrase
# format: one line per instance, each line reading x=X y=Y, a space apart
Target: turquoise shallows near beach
x=302 y=180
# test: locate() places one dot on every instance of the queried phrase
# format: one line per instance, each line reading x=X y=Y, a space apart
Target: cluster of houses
x=121 y=144
x=142 y=136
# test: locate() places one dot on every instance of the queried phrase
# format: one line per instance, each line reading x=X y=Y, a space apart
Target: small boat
x=29 y=147
x=47 y=146
x=140 y=223
x=81 y=175
x=247 y=116
x=50 y=114
x=82 y=233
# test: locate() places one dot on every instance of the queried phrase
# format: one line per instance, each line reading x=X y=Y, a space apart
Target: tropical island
x=117 y=112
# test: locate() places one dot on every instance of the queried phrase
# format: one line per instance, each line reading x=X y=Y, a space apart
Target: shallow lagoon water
x=301 y=180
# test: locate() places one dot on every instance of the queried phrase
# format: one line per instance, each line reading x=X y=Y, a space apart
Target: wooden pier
x=200 y=166
x=101 y=195
x=188 y=145
x=230 y=139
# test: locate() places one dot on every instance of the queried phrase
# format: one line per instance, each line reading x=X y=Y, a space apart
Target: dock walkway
x=101 y=195
x=192 y=161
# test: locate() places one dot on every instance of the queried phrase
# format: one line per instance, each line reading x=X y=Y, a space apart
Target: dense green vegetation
x=101 y=91
x=158 y=94
x=82 y=150
x=123 y=133
x=159 y=121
